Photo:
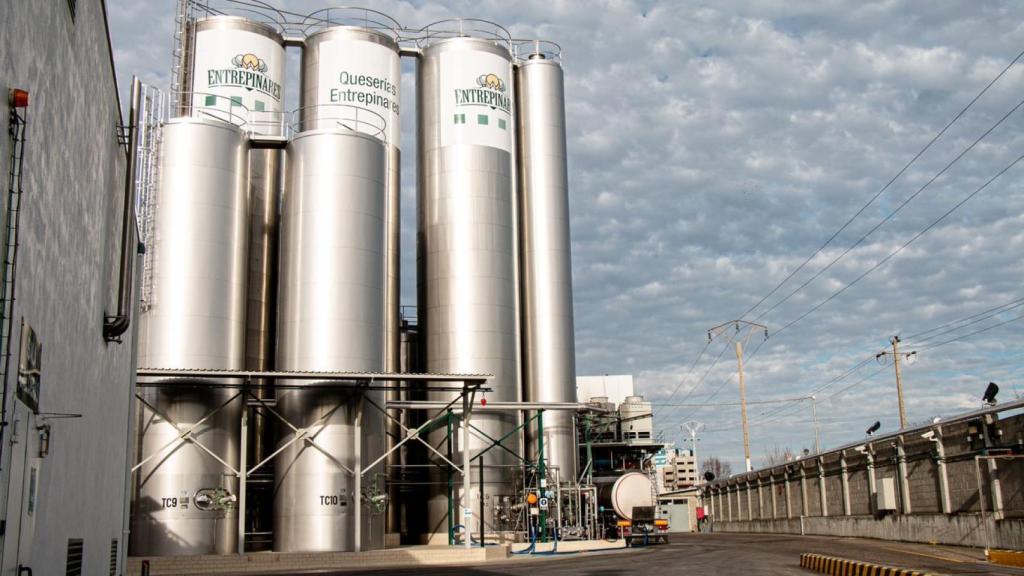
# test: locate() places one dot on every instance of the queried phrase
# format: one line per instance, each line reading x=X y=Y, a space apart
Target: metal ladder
x=150 y=120
x=11 y=221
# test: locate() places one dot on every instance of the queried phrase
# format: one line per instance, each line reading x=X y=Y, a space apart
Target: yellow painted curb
x=1006 y=557
x=842 y=567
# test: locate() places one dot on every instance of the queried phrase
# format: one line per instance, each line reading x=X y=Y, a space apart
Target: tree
x=775 y=456
x=716 y=466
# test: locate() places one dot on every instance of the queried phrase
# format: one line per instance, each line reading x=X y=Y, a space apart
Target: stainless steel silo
x=549 y=358
x=233 y=68
x=331 y=318
x=466 y=249
x=342 y=67
x=195 y=319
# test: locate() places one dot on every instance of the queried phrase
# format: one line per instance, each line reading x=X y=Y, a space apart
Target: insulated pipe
x=117 y=324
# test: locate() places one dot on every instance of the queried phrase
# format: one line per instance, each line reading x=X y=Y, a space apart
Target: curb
x=1006 y=557
x=843 y=567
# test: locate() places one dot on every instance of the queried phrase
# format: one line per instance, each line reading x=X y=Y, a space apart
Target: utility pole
x=817 y=428
x=693 y=427
x=895 y=354
x=718 y=330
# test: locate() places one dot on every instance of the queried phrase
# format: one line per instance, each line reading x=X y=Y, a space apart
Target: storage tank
x=466 y=250
x=346 y=66
x=623 y=493
x=195 y=319
x=234 y=67
x=549 y=356
x=331 y=318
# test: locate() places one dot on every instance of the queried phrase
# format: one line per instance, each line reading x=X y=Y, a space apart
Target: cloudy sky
x=715 y=146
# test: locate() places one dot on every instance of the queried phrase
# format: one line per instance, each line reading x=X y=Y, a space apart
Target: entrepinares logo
x=249 y=72
x=489 y=91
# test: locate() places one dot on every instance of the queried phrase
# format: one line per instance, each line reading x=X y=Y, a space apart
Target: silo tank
x=466 y=252
x=234 y=71
x=549 y=363
x=195 y=319
x=331 y=318
x=342 y=67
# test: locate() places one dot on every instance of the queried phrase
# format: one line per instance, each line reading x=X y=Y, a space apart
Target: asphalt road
x=726 y=555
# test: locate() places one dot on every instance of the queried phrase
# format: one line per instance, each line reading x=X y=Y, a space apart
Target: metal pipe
x=470 y=379
x=117 y=324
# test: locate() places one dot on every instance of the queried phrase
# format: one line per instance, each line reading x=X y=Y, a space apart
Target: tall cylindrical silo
x=342 y=67
x=331 y=318
x=466 y=249
x=195 y=319
x=549 y=358
x=234 y=69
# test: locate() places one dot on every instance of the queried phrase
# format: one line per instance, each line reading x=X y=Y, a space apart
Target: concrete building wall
x=860 y=499
x=66 y=282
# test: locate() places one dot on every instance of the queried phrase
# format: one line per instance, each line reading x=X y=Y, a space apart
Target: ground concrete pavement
x=726 y=555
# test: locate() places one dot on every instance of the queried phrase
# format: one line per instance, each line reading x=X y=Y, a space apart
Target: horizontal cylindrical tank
x=234 y=71
x=195 y=319
x=331 y=318
x=549 y=355
x=625 y=492
x=466 y=251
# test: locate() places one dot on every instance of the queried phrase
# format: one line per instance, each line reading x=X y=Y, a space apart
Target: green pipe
x=451 y=495
x=542 y=474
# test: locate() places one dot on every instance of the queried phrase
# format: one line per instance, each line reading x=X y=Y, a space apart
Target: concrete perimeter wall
x=957 y=482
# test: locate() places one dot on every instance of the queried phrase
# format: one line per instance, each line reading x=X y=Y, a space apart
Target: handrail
x=462 y=28
x=529 y=49
x=341 y=116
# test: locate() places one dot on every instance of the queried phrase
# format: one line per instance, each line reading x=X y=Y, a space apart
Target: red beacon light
x=18 y=98
x=483 y=401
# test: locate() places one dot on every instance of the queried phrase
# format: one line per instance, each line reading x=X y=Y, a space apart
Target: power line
x=973 y=319
x=882 y=262
x=894 y=212
x=884 y=188
x=688 y=372
x=969 y=334
x=706 y=372
x=776 y=401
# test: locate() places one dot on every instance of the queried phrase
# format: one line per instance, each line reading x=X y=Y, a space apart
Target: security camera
x=929 y=435
x=863 y=448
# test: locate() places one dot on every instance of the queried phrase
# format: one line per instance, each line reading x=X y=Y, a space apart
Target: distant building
x=676 y=469
x=615 y=388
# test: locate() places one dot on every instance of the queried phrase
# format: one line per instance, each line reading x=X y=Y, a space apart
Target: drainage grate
x=74 y=564
x=113 y=557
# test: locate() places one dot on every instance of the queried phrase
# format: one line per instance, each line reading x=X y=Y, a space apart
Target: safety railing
x=524 y=49
x=461 y=28
x=348 y=16
x=346 y=117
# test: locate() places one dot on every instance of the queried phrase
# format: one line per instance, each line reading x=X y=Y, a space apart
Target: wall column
x=821 y=487
x=804 y=511
x=901 y=465
x=771 y=487
x=940 y=464
x=846 y=482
